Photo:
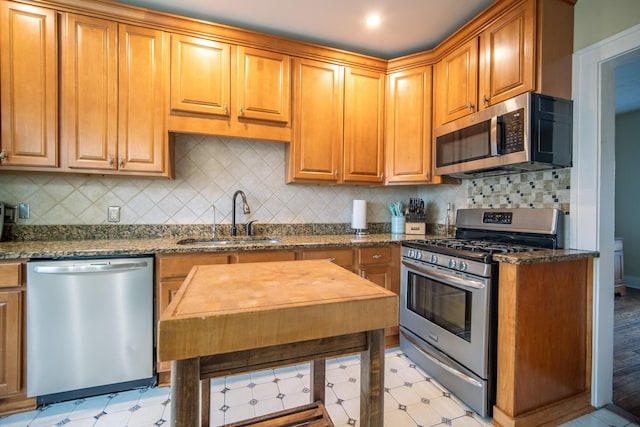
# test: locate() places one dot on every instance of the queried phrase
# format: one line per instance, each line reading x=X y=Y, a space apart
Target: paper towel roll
x=359 y=215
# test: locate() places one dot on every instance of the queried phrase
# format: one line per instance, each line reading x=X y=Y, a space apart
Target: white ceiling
x=407 y=26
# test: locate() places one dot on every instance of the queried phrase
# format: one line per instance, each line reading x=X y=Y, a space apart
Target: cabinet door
x=363 y=126
x=90 y=92
x=315 y=152
x=10 y=337
x=167 y=289
x=409 y=127
x=507 y=56
x=142 y=107
x=29 y=86
x=457 y=83
x=200 y=76
x=263 y=85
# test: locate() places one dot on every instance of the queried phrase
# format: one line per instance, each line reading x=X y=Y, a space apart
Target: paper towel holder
x=359 y=217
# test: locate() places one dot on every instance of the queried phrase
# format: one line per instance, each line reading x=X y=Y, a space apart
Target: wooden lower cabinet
x=13 y=396
x=381 y=265
x=171 y=270
x=544 y=343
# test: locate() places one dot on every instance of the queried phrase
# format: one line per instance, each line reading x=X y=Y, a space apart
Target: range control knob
x=411 y=253
x=452 y=263
x=418 y=255
x=462 y=266
x=433 y=259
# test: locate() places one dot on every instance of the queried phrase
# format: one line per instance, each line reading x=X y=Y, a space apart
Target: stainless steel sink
x=241 y=241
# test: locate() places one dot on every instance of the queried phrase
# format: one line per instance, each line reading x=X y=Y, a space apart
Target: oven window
x=446 y=306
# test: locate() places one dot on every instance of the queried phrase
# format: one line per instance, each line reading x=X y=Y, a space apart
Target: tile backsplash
x=209 y=169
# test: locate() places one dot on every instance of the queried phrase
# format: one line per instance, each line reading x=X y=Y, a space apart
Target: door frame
x=592 y=207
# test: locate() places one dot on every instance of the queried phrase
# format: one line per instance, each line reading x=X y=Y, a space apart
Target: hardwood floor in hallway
x=626 y=352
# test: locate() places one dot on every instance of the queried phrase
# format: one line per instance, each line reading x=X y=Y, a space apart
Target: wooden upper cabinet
x=114 y=97
x=507 y=56
x=363 y=126
x=200 y=76
x=315 y=152
x=28 y=86
x=142 y=107
x=409 y=127
x=263 y=85
x=457 y=83
x=495 y=66
x=89 y=124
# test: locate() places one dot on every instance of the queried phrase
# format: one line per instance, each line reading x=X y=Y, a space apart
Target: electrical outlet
x=24 y=211
x=113 y=214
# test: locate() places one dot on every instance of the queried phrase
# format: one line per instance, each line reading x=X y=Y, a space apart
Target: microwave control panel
x=512 y=131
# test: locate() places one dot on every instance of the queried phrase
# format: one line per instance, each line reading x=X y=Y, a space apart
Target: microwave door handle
x=493 y=136
x=496 y=135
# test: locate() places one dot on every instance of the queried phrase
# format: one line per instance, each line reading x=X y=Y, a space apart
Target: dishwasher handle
x=88 y=268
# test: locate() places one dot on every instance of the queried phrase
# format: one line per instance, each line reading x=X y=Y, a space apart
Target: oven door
x=449 y=310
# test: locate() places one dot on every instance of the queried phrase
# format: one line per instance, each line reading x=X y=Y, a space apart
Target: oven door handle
x=453 y=280
x=464 y=377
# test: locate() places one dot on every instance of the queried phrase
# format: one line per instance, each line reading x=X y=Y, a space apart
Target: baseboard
x=632 y=281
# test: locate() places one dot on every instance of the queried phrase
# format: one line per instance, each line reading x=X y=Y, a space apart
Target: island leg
x=185 y=393
x=318 y=372
x=372 y=381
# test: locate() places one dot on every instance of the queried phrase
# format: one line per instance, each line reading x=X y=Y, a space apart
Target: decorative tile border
x=541 y=189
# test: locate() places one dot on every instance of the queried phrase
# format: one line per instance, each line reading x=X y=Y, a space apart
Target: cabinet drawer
x=376 y=255
x=10 y=275
x=265 y=256
x=180 y=265
x=342 y=257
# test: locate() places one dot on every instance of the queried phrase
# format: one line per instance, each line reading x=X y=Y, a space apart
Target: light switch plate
x=113 y=214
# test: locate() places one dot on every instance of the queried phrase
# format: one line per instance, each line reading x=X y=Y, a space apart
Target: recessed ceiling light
x=373 y=20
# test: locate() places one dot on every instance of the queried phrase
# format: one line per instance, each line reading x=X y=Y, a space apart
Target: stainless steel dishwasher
x=90 y=327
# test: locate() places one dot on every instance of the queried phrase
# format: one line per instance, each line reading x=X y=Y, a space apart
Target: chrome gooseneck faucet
x=245 y=209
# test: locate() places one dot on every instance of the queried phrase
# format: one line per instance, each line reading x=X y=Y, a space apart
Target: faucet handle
x=247 y=227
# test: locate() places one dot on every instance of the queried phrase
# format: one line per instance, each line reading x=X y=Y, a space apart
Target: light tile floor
x=412 y=399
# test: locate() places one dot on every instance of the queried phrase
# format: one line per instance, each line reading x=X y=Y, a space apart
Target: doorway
x=592 y=210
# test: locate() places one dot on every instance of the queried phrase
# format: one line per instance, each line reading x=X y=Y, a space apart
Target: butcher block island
x=233 y=318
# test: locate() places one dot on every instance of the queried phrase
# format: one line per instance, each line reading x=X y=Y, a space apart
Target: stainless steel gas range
x=448 y=295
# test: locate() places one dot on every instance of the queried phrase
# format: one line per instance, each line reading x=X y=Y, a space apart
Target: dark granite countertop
x=132 y=247
x=546 y=255
x=151 y=246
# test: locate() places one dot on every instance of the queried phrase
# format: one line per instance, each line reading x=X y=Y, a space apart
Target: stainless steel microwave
x=529 y=132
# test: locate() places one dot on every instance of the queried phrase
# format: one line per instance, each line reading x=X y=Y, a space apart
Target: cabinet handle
x=485 y=99
x=110 y=160
x=471 y=106
x=120 y=162
x=241 y=109
x=336 y=173
x=331 y=259
x=382 y=176
x=226 y=108
x=376 y=256
x=363 y=274
x=3 y=155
